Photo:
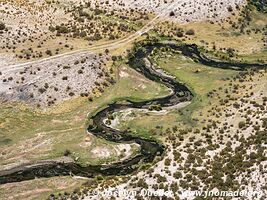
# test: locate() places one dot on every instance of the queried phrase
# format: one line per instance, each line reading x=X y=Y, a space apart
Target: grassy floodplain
x=49 y=133
x=199 y=78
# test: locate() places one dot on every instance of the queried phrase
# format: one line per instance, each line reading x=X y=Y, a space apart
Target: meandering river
x=149 y=148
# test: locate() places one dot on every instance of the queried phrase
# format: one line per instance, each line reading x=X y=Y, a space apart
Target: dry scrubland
x=36 y=29
x=219 y=141
x=33 y=30
x=226 y=150
x=223 y=141
x=43 y=84
x=181 y=11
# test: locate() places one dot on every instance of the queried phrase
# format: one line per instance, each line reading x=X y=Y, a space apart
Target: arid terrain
x=63 y=63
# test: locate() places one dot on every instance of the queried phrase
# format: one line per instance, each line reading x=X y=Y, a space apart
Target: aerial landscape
x=131 y=99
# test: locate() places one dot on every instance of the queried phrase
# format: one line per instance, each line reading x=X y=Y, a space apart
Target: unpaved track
x=109 y=45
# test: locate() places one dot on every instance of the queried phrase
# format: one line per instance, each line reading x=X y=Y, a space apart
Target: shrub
x=62 y=29
x=241 y=124
x=177 y=175
x=167 y=162
x=100 y=178
x=48 y=52
x=230 y=9
x=179 y=34
x=2 y=26
x=67 y=152
x=142 y=183
x=190 y=32
x=172 y=14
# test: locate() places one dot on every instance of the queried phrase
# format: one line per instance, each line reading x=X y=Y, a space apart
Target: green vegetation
x=199 y=78
x=46 y=135
x=261 y=5
x=99 y=24
x=238 y=35
x=27 y=133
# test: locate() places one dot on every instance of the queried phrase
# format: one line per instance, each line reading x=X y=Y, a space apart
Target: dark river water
x=149 y=148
